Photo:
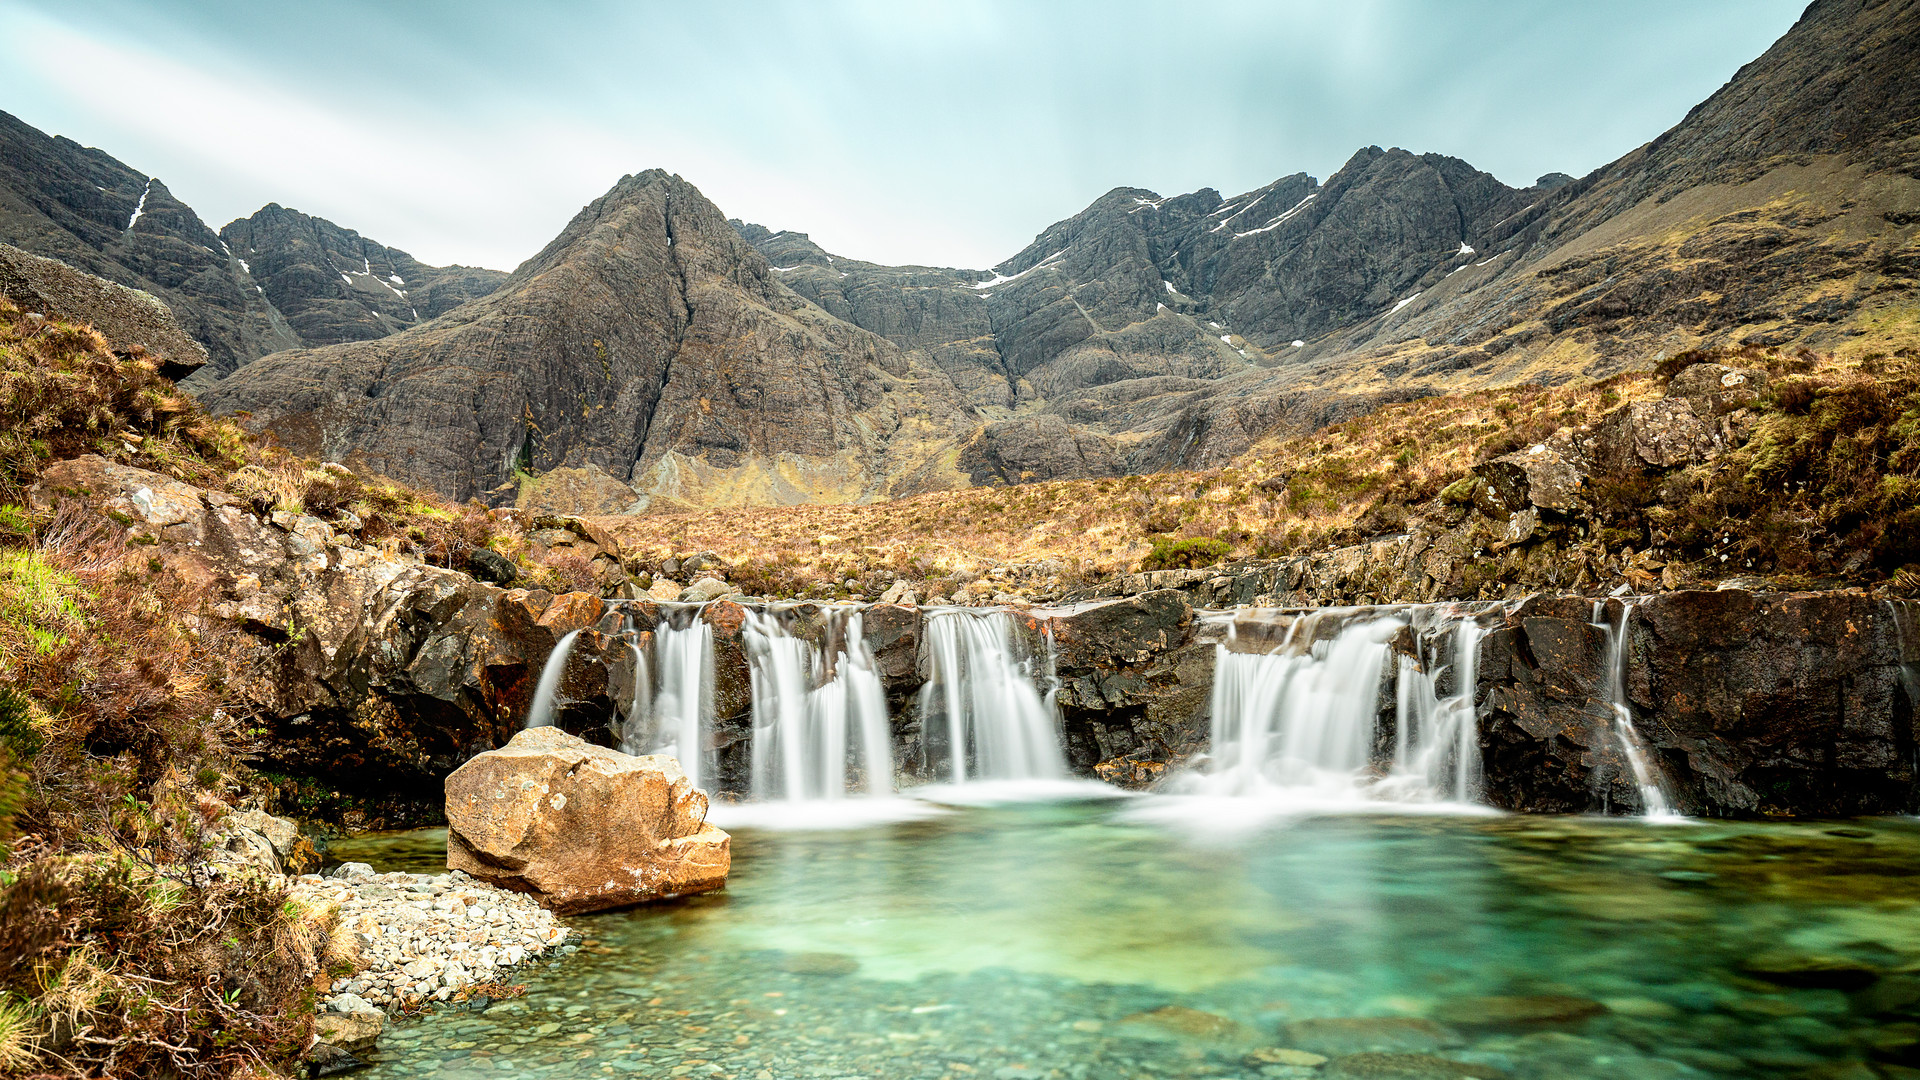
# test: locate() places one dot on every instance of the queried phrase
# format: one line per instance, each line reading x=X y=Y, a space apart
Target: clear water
x=1019 y=941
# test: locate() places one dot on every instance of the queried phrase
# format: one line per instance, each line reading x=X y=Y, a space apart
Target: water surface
x=1039 y=940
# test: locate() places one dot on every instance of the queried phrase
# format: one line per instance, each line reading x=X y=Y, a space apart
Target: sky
x=945 y=134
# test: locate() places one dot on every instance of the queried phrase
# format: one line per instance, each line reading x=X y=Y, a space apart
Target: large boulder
x=580 y=827
x=1540 y=477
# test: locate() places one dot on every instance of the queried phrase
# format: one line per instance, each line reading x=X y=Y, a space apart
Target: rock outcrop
x=129 y=318
x=580 y=827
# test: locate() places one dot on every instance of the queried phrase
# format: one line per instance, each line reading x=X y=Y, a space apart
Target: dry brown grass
x=1285 y=495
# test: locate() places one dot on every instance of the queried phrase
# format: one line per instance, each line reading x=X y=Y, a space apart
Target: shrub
x=1194 y=552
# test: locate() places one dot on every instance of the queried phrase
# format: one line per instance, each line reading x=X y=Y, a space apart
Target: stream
x=1143 y=938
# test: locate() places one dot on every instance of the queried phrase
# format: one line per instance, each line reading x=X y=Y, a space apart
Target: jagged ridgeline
x=657 y=357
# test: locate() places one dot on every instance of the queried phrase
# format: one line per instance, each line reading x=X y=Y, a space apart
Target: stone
x=1281 y=1056
x=354 y=1032
x=1182 y=1022
x=1810 y=970
x=130 y=318
x=256 y=838
x=819 y=963
x=326 y=1059
x=665 y=589
x=1379 y=1066
x=491 y=567
x=707 y=589
x=1343 y=1035
x=1537 y=478
x=580 y=827
x=1507 y=1011
x=1656 y=434
x=1716 y=390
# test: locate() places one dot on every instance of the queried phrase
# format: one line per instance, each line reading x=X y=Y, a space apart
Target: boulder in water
x=581 y=827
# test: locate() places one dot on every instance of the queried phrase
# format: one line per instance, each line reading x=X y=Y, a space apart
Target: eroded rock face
x=580 y=827
x=1749 y=703
x=1135 y=676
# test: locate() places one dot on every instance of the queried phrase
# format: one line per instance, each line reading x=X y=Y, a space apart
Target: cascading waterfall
x=813 y=709
x=1437 y=737
x=540 y=713
x=982 y=698
x=683 y=701
x=1654 y=802
x=638 y=731
x=1301 y=719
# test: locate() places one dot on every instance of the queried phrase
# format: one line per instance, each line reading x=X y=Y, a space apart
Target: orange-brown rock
x=580 y=827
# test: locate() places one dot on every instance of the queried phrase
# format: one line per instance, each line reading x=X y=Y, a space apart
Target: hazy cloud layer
x=940 y=133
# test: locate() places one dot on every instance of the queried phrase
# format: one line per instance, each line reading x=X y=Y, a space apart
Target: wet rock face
x=1134 y=679
x=1749 y=704
x=580 y=827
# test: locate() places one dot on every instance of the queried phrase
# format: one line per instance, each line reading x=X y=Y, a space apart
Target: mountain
x=1781 y=211
x=334 y=285
x=648 y=340
x=64 y=201
x=1114 y=319
x=262 y=284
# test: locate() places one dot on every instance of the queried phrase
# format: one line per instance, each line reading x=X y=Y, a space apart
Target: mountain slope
x=262 y=284
x=648 y=340
x=334 y=285
x=1782 y=211
x=64 y=201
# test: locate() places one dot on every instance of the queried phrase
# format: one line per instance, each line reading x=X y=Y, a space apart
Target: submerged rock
x=1341 y=1035
x=1407 y=1067
x=1181 y=1022
x=1810 y=970
x=581 y=827
x=1542 y=1010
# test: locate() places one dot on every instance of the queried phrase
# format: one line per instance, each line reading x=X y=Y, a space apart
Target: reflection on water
x=1077 y=941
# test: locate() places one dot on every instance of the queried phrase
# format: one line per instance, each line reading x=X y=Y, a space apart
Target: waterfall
x=812 y=708
x=683 y=701
x=1301 y=721
x=540 y=713
x=1654 y=802
x=1437 y=737
x=637 y=731
x=997 y=726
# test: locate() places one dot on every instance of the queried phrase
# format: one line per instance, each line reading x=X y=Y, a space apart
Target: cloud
x=932 y=133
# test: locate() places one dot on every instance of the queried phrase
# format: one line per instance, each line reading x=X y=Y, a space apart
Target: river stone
x=1274 y=1055
x=1373 y=1066
x=1544 y=1010
x=819 y=963
x=1335 y=1036
x=1814 y=970
x=354 y=1032
x=1188 y=1023
x=581 y=827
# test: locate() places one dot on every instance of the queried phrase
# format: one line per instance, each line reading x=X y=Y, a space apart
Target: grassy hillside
x=1823 y=487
